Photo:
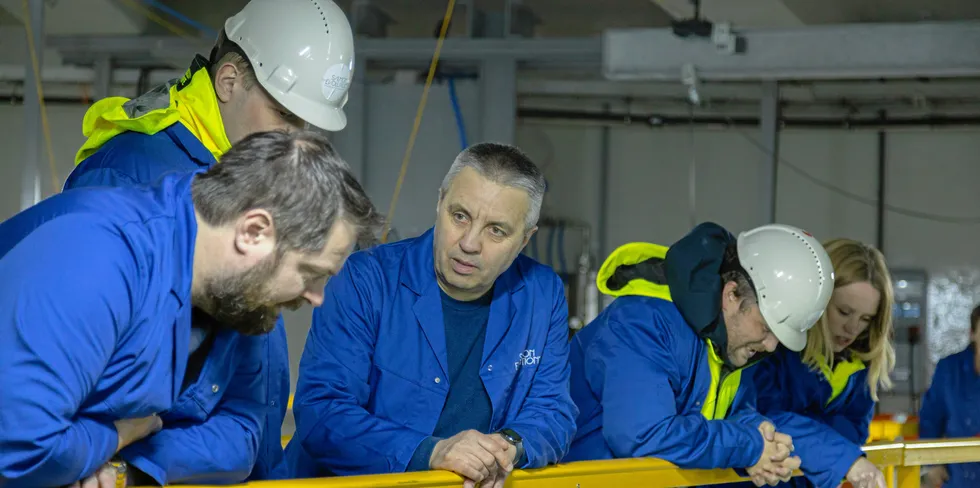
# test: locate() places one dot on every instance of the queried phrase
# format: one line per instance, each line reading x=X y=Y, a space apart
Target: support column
x=499 y=99
x=882 y=182
x=103 y=78
x=351 y=142
x=31 y=176
x=769 y=127
x=602 y=236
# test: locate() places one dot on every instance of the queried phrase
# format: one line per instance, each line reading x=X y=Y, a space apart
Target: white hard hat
x=793 y=278
x=302 y=52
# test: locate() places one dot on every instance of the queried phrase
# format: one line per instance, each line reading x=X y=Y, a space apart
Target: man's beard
x=238 y=302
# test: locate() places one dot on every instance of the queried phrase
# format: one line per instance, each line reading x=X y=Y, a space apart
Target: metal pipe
x=882 y=173
x=604 y=161
x=769 y=127
x=671 y=121
x=103 y=78
x=498 y=93
x=31 y=177
x=692 y=177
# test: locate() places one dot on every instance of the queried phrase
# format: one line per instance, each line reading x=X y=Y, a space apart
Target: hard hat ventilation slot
x=323 y=16
x=813 y=253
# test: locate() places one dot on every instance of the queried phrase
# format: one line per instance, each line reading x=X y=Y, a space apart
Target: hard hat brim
x=794 y=340
x=330 y=119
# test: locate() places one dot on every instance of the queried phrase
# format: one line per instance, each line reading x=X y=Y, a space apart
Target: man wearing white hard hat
x=660 y=371
x=277 y=65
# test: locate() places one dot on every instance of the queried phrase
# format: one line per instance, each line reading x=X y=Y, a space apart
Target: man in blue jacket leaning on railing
x=277 y=65
x=445 y=351
x=660 y=371
x=108 y=369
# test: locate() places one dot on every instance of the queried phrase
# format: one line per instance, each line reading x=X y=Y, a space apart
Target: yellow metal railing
x=900 y=461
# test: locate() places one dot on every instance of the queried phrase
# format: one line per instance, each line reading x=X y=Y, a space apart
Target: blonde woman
x=824 y=396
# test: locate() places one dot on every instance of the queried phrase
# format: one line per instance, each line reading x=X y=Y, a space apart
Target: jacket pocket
x=404 y=401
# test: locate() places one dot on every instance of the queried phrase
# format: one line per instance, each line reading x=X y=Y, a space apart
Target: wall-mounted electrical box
x=910 y=315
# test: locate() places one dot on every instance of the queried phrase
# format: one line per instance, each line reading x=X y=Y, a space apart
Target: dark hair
x=297 y=177
x=731 y=270
x=228 y=51
x=505 y=165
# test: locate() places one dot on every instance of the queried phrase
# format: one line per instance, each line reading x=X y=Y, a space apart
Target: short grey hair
x=505 y=165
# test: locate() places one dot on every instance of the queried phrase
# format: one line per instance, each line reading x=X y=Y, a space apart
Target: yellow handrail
x=900 y=462
x=941 y=451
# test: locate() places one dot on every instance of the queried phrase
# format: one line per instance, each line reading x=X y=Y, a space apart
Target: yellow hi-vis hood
x=189 y=100
x=616 y=279
x=632 y=254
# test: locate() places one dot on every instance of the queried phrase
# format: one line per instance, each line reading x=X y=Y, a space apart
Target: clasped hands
x=775 y=465
x=482 y=459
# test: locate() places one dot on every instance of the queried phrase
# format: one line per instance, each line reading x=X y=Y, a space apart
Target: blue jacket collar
x=184 y=139
x=418 y=275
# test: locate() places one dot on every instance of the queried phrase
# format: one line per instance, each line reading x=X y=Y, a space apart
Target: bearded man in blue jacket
x=445 y=351
x=277 y=65
x=101 y=353
x=662 y=371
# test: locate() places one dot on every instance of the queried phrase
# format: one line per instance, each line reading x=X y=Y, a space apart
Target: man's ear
x=729 y=301
x=255 y=234
x=225 y=81
x=527 y=236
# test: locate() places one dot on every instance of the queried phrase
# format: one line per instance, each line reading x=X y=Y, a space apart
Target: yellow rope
x=418 y=119
x=36 y=65
x=180 y=32
x=443 y=30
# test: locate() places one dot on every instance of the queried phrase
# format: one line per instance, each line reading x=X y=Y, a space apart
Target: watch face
x=514 y=436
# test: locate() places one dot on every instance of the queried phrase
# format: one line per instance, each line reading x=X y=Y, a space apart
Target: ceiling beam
x=839 y=92
x=742 y=14
x=147 y=50
x=62 y=17
x=849 y=51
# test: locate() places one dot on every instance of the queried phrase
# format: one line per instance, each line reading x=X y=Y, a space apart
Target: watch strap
x=122 y=472
x=514 y=439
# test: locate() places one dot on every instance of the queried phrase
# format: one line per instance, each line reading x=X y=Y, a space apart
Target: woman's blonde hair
x=856 y=262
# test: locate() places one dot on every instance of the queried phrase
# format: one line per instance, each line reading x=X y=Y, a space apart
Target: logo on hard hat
x=336 y=82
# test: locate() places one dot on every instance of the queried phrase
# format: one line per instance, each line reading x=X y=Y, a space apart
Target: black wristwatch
x=515 y=439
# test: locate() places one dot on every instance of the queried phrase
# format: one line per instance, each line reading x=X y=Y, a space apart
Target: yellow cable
x=176 y=30
x=40 y=97
x=418 y=118
x=443 y=30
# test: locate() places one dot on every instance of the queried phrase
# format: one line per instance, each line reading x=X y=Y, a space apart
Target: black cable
x=858 y=198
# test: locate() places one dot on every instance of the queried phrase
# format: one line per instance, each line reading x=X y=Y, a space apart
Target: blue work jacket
x=133 y=158
x=827 y=413
x=95 y=312
x=373 y=376
x=641 y=378
x=949 y=409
